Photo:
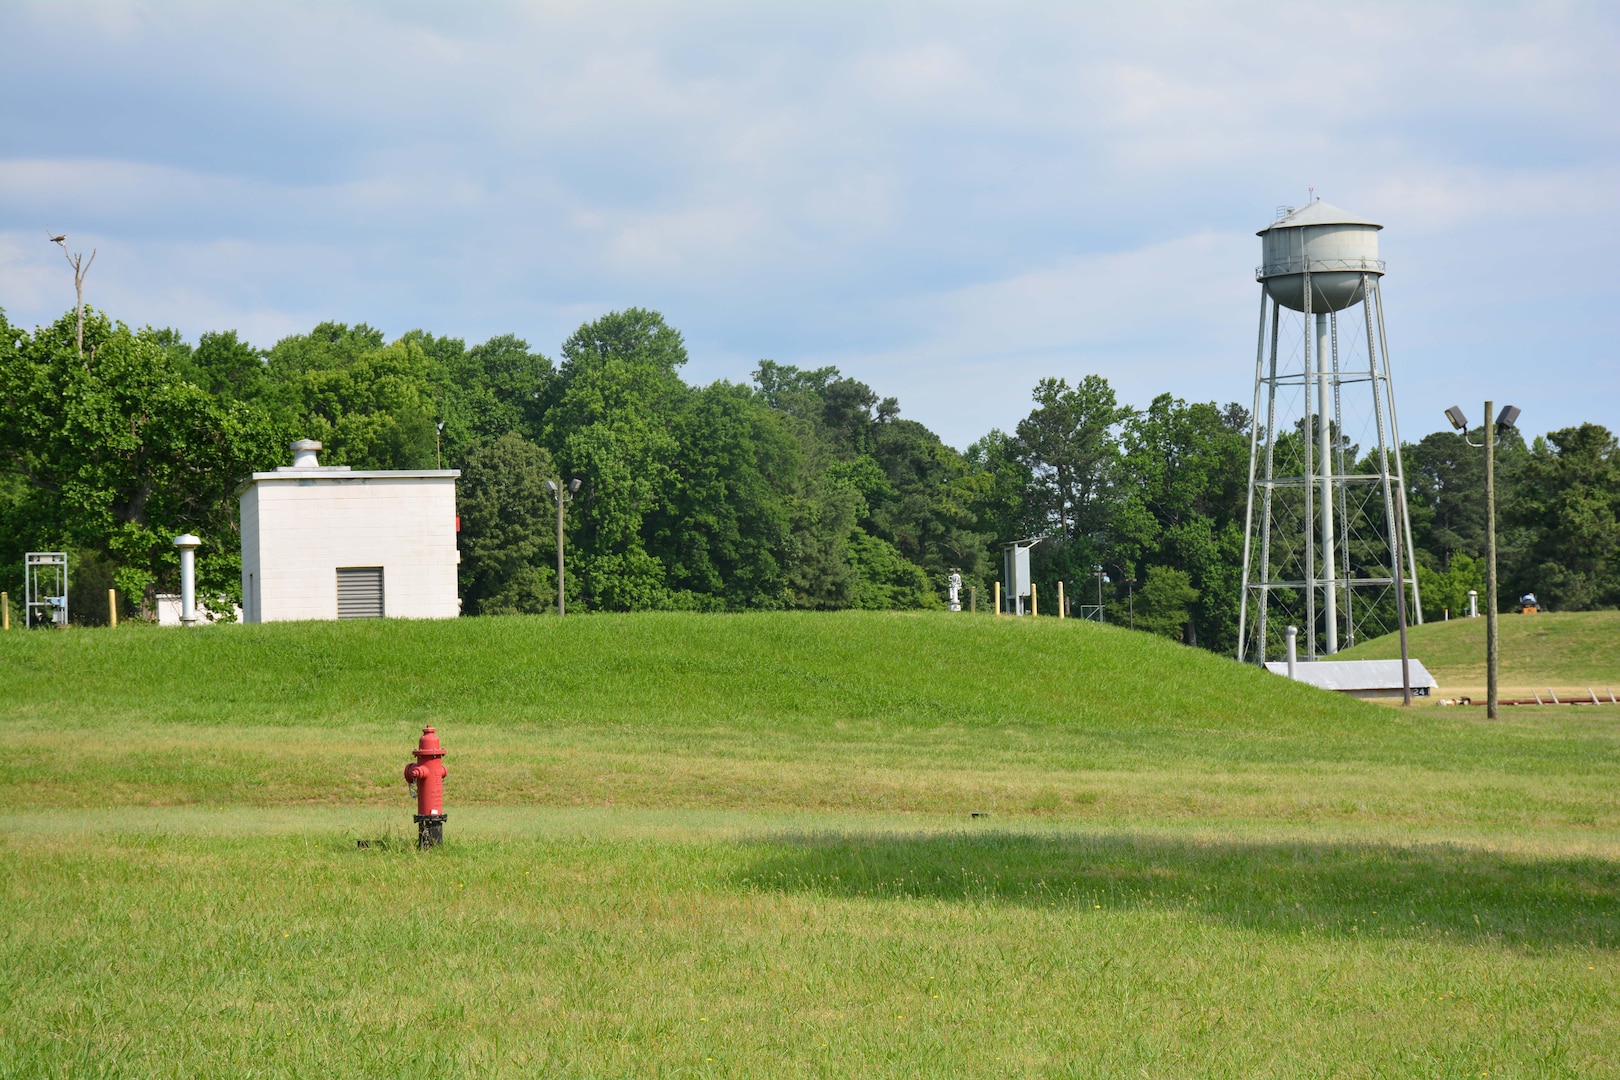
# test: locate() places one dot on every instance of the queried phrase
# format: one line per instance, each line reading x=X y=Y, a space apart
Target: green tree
x=1570 y=498
x=1446 y=478
x=1446 y=590
x=508 y=537
x=910 y=490
x=371 y=405
x=884 y=578
x=1068 y=444
x=1164 y=602
x=619 y=390
x=1182 y=474
x=722 y=528
x=118 y=454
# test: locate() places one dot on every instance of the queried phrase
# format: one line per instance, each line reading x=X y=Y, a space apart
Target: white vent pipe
x=188 y=544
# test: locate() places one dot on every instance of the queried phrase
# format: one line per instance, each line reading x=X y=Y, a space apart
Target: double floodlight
x=1508 y=417
x=573 y=486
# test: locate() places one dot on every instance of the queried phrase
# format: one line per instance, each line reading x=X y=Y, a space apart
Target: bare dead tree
x=81 y=267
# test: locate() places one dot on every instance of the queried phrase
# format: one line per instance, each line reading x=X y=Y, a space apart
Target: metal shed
x=1359 y=678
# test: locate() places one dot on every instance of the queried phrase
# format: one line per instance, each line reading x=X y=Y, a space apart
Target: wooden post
x=1061 y=606
x=973 y=598
x=5 y=611
x=998 y=598
x=112 y=608
x=1034 y=601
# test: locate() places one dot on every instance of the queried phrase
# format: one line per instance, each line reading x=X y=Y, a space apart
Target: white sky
x=948 y=201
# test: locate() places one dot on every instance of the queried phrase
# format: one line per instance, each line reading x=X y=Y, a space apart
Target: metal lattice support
x=45 y=589
x=1326 y=484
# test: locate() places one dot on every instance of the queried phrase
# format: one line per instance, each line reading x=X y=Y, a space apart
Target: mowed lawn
x=685 y=845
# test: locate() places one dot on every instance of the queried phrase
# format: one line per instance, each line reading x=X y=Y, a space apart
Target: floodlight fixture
x=551 y=486
x=574 y=485
x=1508 y=417
x=1458 y=419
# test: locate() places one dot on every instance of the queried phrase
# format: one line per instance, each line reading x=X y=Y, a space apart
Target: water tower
x=1326 y=523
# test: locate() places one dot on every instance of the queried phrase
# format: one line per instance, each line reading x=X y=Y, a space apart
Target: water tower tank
x=1338 y=248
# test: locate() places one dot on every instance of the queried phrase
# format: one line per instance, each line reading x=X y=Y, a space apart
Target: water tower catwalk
x=1326 y=523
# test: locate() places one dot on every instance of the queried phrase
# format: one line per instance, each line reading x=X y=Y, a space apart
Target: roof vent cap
x=304 y=451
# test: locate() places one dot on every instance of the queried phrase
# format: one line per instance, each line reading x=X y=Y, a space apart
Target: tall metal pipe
x=188 y=545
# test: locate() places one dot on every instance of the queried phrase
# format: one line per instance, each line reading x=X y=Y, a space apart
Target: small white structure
x=168 y=610
x=330 y=542
x=1015 y=572
x=1360 y=678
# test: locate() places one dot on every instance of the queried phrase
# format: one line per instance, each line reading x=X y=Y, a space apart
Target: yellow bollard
x=112 y=608
x=5 y=611
x=1034 y=606
x=1061 y=606
x=998 y=598
x=973 y=598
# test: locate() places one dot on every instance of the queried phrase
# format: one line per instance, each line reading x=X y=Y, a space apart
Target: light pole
x=438 y=448
x=1097 y=572
x=1506 y=419
x=1129 y=579
x=564 y=494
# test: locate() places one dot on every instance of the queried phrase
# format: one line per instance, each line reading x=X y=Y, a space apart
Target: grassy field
x=746 y=846
x=1563 y=651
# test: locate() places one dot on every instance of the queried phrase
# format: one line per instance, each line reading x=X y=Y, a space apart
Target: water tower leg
x=1311 y=581
x=1342 y=488
x=1330 y=589
x=1248 y=509
x=1385 y=480
x=1400 y=467
x=1261 y=640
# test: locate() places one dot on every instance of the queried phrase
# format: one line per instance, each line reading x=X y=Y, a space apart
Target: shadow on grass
x=1341 y=889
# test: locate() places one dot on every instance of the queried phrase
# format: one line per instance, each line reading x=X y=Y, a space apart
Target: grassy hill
x=1563 y=650
x=690 y=845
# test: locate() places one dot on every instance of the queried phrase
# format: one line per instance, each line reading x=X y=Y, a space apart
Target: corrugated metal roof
x=1355 y=674
x=1317 y=213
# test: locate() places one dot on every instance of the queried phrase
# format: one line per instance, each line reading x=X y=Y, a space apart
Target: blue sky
x=948 y=201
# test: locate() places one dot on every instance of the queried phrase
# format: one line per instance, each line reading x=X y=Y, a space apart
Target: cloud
x=948 y=199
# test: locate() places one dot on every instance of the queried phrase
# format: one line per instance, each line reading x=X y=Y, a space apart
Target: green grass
x=1560 y=650
x=742 y=846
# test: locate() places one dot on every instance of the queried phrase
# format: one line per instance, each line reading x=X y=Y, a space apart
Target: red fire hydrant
x=426 y=776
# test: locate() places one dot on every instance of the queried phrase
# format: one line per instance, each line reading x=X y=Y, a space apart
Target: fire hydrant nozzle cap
x=428 y=746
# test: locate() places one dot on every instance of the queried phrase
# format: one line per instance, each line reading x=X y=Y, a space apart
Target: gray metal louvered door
x=360 y=592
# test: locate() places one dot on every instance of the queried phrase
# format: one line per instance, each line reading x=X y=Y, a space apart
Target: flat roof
x=1354 y=674
x=343 y=472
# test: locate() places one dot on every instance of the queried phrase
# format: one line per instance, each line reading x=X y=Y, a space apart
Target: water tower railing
x=1290 y=266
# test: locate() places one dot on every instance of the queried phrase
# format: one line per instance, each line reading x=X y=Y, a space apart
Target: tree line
x=802 y=489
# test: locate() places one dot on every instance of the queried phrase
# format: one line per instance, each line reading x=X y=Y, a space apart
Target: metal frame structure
x=45 y=589
x=1344 y=550
x=1015 y=557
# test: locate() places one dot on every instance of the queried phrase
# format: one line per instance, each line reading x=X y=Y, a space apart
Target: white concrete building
x=330 y=542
